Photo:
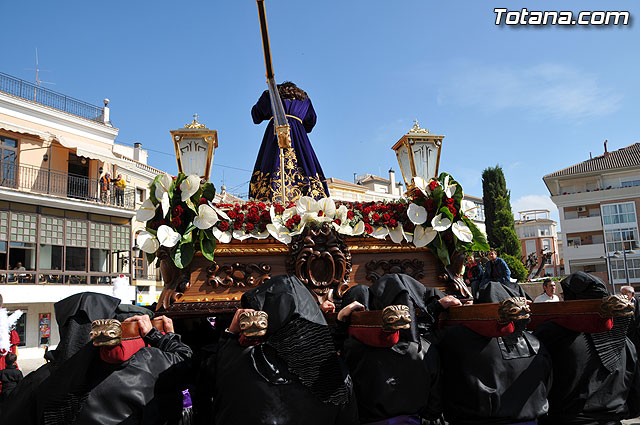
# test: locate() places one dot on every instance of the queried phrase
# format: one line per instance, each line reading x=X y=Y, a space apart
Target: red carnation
x=366 y=219
x=177 y=211
x=320 y=213
x=232 y=215
x=265 y=216
x=253 y=218
x=430 y=204
x=223 y=225
x=386 y=217
x=337 y=221
x=367 y=210
x=296 y=219
x=176 y=222
x=254 y=210
x=290 y=224
x=240 y=217
x=350 y=215
x=449 y=202
x=262 y=227
x=248 y=227
x=453 y=210
x=400 y=207
x=433 y=184
x=358 y=206
x=262 y=205
x=368 y=228
x=418 y=194
x=203 y=201
x=393 y=223
x=375 y=217
x=278 y=208
x=237 y=225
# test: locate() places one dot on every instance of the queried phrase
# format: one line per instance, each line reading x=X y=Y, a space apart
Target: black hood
x=583 y=286
x=284 y=298
x=495 y=292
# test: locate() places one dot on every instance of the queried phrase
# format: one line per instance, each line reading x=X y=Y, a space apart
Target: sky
x=531 y=99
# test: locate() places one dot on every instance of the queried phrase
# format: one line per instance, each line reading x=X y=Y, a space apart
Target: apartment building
x=598 y=200
x=538 y=235
x=63 y=230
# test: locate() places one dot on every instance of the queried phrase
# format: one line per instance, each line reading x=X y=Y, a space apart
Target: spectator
x=105 y=182
x=10 y=376
x=473 y=274
x=496 y=270
x=119 y=183
x=549 y=294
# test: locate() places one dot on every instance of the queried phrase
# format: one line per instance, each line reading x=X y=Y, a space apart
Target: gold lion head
x=253 y=324
x=106 y=332
x=396 y=317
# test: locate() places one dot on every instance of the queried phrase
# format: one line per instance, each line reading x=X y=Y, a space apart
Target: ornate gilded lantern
x=195 y=145
x=418 y=154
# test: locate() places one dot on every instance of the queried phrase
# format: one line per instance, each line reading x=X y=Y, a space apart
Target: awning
x=100 y=153
x=25 y=130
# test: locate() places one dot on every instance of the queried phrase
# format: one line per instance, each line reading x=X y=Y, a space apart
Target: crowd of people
x=304 y=369
x=112 y=189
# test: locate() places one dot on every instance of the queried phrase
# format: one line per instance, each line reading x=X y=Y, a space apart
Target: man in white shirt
x=549 y=294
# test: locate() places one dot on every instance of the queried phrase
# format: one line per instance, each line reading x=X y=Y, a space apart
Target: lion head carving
x=106 y=332
x=616 y=306
x=513 y=309
x=253 y=324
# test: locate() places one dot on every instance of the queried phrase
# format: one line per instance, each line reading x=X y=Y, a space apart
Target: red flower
x=350 y=215
x=203 y=201
x=400 y=207
x=386 y=217
x=366 y=219
x=254 y=210
x=368 y=228
x=232 y=215
x=223 y=225
x=367 y=210
x=320 y=213
x=375 y=217
x=449 y=202
x=291 y=224
x=265 y=216
x=430 y=204
x=237 y=225
x=262 y=227
x=262 y=205
x=176 y=222
x=433 y=184
x=409 y=226
x=253 y=218
x=177 y=211
x=337 y=221
x=278 y=208
x=393 y=223
x=453 y=210
x=418 y=194
x=358 y=206
x=240 y=217
x=296 y=219
x=248 y=227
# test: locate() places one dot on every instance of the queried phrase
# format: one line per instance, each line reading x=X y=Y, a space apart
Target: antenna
x=38 y=80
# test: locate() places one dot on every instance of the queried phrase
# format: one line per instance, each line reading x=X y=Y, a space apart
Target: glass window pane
x=50 y=257
x=76 y=259
x=99 y=260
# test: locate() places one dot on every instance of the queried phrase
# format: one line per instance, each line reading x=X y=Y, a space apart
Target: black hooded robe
x=293 y=376
x=403 y=379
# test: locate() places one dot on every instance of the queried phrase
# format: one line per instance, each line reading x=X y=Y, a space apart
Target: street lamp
x=418 y=154
x=195 y=145
x=609 y=272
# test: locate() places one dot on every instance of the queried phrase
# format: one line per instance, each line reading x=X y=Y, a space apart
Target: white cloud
x=552 y=90
x=535 y=202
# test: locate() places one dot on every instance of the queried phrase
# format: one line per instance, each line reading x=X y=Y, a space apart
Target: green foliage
x=518 y=271
x=501 y=232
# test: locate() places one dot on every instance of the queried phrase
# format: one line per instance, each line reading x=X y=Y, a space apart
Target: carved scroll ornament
x=378 y=268
x=176 y=281
x=321 y=260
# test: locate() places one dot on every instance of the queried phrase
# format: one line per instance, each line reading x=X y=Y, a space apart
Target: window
x=530 y=247
x=50 y=257
x=76 y=259
x=529 y=232
x=620 y=239
x=140 y=194
x=99 y=261
x=618 y=213
x=631 y=183
x=21 y=328
x=568 y=215
x=139 y=266
x=8 y=165
x=633 y=266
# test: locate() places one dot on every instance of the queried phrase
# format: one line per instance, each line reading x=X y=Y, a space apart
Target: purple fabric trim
x=186 y=399
x=399 y=420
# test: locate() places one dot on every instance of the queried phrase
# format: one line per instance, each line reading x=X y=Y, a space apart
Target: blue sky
x=533 y=100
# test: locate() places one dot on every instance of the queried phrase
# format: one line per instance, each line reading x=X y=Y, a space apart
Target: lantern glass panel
x=405 y=163
x=193 y=156
x=425 y=155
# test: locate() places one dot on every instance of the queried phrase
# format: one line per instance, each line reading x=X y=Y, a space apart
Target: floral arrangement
x=180 y=215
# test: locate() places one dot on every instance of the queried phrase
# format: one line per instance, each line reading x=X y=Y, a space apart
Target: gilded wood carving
x=237 y=274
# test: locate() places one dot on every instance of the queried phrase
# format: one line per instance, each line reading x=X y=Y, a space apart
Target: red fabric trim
x=248 y=342
x=121 y=352
x=374 y=336
x=488 y=328
x=588 y=323
x=14 y=338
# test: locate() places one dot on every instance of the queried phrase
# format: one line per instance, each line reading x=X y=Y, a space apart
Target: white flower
x=221 y=214
x=407 y=235
x=462 y=231
x=449 y=189
x=206 y=217
x=241 y=235
x=162 y=192
x=380 y=232
x=416 y=213
x=345 y=229
x=147 y=242
x=306 y=204
x=167 y=236
x=423 y=236
x=262 y=235
x=358 y=229
x=146 y=211
x=222 y=237
x=469 y=209
x=440 y=223
x=299 y=229
x=328 y=207
x=421 y=184
x=281 y=233
x=396 y=234
x=189 y=186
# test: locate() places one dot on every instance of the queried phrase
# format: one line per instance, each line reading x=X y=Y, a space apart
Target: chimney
x=137 y=148
x=392 y=181
x=606 y=152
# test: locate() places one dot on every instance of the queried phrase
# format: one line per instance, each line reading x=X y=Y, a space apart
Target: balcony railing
x=44 y=181
x=29 y=91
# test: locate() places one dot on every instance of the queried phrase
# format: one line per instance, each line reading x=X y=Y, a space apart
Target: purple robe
x=303 y=174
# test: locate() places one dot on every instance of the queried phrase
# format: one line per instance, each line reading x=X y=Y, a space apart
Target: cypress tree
x=501 y=232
